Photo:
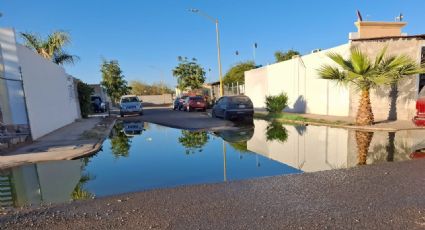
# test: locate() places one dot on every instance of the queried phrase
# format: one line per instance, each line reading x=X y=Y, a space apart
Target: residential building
x=308 y=93
x=34 y=91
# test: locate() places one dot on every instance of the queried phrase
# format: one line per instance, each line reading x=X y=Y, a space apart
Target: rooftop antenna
x=359 y=16
x=399 y=18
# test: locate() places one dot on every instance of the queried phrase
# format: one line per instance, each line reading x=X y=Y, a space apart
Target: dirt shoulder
x=383 y=196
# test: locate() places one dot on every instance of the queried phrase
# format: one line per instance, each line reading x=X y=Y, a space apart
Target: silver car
x=130 y=104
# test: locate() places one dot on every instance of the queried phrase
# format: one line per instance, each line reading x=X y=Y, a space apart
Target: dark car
x=97 y=105
x=176 y=103
x=194 y=103
x=180 y=102
x=233 y=107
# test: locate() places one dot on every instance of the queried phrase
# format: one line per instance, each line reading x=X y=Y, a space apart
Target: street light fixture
x=197 y=11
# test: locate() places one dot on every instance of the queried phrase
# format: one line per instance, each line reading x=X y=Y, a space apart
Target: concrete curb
x=30 y=158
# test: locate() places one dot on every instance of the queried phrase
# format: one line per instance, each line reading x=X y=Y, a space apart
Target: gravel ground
x=383 y=196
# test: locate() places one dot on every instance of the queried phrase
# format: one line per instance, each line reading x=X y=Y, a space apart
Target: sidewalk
x=80 y=138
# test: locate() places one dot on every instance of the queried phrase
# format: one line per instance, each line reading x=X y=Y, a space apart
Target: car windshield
x=129 y=99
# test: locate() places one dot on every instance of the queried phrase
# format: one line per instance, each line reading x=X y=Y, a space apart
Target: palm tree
x=358 y=70
x=51 y=48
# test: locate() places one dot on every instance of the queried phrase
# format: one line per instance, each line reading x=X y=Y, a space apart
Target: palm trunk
x=392 y=115
x=364 y=113
x=363 y=140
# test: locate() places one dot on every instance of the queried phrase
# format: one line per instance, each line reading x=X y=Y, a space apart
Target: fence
x=233 y=89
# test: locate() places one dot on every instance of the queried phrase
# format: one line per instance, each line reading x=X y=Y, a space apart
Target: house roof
x=418 y=36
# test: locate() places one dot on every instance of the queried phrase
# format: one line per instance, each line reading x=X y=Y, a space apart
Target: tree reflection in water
x=193 y=140
x=276 y=132
x=363 y=140
x=79 y=192
x=120 y=142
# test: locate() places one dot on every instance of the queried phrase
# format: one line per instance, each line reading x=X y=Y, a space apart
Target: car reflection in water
x=238 y=136
x=133 y=127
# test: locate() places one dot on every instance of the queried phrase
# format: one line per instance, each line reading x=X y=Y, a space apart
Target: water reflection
x=121 y=136
x=317 y=148
x=363 y=140
x=275 y=131
x=238 y=137
x=193 y=141
x=48 y=182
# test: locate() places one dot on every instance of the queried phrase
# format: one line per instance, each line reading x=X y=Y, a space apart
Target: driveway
x=181 y=120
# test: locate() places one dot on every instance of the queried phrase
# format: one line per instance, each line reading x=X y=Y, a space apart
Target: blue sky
x=147 y=36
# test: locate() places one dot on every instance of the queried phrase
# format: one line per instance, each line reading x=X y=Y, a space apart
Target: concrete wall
x=50 y=93
x=11 y=92
x=299 y=79
x=408 y=88
x=157 y=99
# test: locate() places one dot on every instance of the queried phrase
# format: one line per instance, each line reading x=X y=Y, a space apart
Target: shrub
x=275 y=104
x=84 y=93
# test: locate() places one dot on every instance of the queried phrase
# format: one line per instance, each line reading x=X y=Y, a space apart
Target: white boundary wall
x=299 y=79
x=50 y=93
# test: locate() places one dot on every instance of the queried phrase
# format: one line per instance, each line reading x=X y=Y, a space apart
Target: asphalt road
x=384 y=196
x=181 y=120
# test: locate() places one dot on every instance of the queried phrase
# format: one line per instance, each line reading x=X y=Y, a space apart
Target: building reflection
x=318 y=148
x=47 y=182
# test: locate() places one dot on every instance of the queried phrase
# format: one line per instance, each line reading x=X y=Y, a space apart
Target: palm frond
x=337 y=58
x=380 y=56
x=329 y=72
x=360 y=61
x=32 y=41
x=64 y=58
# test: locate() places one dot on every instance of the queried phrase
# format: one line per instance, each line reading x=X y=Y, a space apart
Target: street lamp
x=218 y=43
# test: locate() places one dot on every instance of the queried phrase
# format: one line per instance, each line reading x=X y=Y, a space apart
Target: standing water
x=140 y=156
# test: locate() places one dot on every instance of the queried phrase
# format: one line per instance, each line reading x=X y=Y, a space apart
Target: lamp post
x=218 y=43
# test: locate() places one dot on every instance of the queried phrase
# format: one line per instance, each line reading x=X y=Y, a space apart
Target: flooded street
x=142 y=156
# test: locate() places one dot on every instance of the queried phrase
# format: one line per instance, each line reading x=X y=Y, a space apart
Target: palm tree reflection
x=120 y=142
x=363 y=140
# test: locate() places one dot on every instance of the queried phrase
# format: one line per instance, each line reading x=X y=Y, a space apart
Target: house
x=308 y=93
x=35 y=93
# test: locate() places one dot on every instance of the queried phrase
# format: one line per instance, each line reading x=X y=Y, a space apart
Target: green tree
x=113 y=80
x=189 y=74
x=237 y=72
x=141 y=88
x=51 y=48
x=284 y=56
x=359 y=71
x=84 y=93
x=193 y=140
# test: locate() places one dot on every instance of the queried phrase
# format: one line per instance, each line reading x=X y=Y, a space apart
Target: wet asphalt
x=381 y=196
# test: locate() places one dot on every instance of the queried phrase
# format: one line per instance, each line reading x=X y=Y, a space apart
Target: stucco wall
x=50 y=94
x=299 y=79
x=157 y=99
x=408 y=88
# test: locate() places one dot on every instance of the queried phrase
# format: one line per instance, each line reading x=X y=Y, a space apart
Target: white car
x=130 y=104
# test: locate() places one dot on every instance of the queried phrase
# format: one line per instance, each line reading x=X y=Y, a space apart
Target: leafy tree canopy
x=189 y=74
x=113 y=80
x=193 y=140
x=237 y=72
x=141 y=88
x=284 y=56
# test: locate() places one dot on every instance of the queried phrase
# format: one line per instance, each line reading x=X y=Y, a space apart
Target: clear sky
x=147 y=36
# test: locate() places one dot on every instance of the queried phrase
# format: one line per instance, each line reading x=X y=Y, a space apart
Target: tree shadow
x=300 y=106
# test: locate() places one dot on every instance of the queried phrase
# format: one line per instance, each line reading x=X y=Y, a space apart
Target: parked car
x=233 y=107
x=181 y=102
x=97 y=104
x=176 y=103
x=194 y=103
x=130 y=104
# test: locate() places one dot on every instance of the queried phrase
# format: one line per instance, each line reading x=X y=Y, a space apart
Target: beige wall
x=157 y=99
x=408 y=88
x=298 y=78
